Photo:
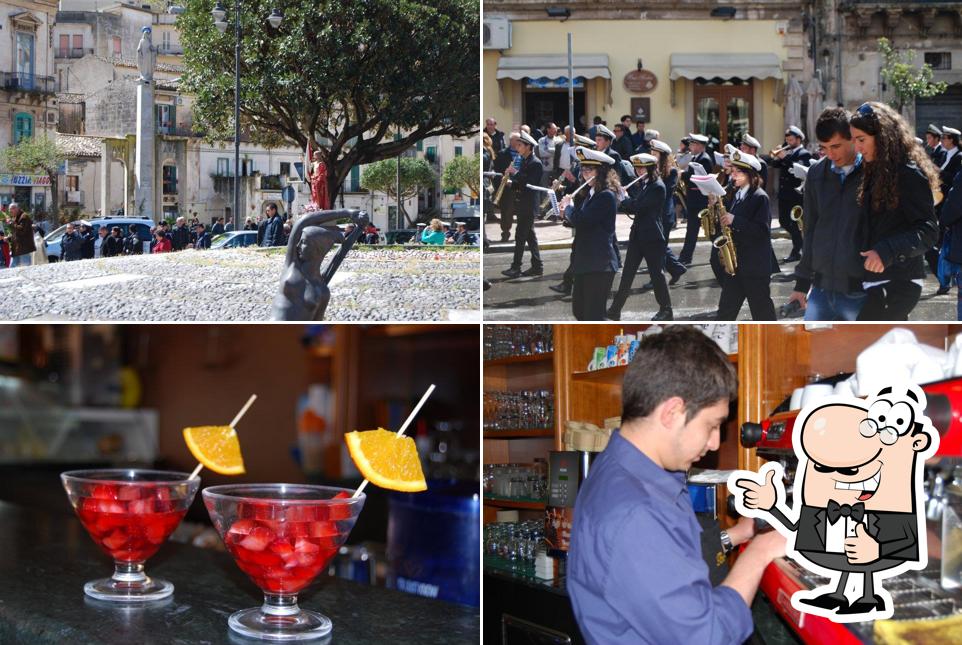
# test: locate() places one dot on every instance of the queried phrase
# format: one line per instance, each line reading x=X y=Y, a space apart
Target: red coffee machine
x=916 y=594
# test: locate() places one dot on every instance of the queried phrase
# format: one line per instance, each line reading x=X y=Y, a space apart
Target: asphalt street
x=694 y=297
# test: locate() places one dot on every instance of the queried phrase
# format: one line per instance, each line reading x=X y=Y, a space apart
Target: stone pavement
x=373 y=283
x=694 y=297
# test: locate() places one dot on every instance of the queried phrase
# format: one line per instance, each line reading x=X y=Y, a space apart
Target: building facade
x=718 y=68
x=28 y=93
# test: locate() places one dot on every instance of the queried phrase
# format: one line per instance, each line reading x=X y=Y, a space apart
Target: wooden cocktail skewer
x=233 y=423
x=404 y=427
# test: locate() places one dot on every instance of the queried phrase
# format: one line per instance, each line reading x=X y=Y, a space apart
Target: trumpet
x=780 y=148
x=720 y=235
x=797 y=216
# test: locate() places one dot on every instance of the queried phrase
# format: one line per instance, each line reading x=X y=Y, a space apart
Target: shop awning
x=553 y=67
x=761 y=65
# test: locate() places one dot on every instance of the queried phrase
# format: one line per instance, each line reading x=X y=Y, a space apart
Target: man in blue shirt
x=635 y=568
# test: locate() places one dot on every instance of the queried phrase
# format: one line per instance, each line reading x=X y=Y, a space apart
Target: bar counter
x=45 y=559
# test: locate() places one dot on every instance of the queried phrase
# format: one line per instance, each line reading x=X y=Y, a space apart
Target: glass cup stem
x=131 y=573
x=280 y=604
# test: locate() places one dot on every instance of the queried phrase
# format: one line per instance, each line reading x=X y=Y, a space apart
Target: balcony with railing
x=170 y=50
x=72 y=52
x=177 y=130
x=32 y=83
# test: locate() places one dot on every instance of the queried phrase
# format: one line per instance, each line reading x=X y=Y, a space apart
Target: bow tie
x=836 y=510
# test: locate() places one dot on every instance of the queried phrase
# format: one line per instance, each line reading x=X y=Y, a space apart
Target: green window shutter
x=420 y=145
x=355 y=184
x=458 y=150
x=22 y=127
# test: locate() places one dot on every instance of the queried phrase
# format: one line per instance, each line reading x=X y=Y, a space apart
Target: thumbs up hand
x=862 y=548
x=759 y=496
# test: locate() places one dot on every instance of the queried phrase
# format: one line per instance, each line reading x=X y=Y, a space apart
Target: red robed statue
x=317 y=174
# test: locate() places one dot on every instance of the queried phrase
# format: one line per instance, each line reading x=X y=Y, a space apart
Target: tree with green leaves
x=36 y=154
x=907 y=81
x=462 y=172
x=381 y=177
x=363 y=81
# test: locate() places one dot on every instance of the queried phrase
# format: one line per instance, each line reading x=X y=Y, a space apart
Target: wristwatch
x=726 y=543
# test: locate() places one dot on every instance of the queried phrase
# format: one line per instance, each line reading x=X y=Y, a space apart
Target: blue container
x=434 y=542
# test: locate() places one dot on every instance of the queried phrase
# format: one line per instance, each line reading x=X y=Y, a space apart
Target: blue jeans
x=24 y=260
x=833 y=305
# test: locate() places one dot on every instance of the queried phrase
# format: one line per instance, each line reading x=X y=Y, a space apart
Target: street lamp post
x=218 y=13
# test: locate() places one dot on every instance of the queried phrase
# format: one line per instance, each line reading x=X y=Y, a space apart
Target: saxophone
x=680 y=192
x=797 y=216
x=725 y=243
x=555 y=187
x=504 y=184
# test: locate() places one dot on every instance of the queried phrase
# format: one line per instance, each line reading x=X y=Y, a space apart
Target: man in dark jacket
x=114 y=244
x=88 y=237
x=133 y=245
x=504 y=159
x=218 y=227
x=622 y=143
x=71 y=245
x=497 y=136
x=831 y=265
x=22 y=245
x=274 y=230
x=203 y=238
x=695 y=201
x=180 y=236
x=528 y=201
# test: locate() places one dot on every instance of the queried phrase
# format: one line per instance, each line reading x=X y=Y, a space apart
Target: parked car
x=140 y=224
x=234 y=240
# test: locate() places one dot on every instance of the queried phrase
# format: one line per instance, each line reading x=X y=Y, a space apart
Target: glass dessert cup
x=282 y=536
x=129 y=513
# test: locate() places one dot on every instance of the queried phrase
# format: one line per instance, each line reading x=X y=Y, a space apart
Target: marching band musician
x=751 y=145
x=571 y=184
x=695 y=202
x=603 y=139
x=952 y=160
x=788 y=196
x=748 y=215
x=592 y=214
x=669 y=175
x=933 y=144
x=527 y=202
x=646 y=201
x=504 y=159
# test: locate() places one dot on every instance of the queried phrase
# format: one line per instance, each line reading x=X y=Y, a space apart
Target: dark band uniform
x=695 y=202
x=593 y=261
x=646 y=241
x=527 y=204
x=936 y=154
x=672 y=265
x=788 y=196
x=751 y=235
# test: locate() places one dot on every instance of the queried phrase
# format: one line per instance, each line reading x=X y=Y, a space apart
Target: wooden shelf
x=395 y=331
x=527 y=358
x=513 y=503
x=517 y=434
x=614 y=375
x=321 y=351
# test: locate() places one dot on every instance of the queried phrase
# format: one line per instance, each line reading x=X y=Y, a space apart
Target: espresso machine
x=917 y=595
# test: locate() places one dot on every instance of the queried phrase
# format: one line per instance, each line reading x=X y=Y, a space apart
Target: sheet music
x=708 y=185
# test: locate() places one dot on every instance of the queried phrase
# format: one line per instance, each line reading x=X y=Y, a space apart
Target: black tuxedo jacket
x=897 y=533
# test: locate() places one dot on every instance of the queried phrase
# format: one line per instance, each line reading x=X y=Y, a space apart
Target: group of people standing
x=871 y=212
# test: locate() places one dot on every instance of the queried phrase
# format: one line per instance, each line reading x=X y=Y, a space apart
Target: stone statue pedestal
x=144 y=153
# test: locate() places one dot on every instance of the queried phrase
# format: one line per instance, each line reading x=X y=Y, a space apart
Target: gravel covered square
x=372 y=284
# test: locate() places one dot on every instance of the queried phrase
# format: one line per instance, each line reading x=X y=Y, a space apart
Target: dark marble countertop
x=45 y=559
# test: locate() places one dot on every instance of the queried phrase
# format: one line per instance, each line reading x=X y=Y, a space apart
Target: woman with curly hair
x=897 y=222
x=592 y=214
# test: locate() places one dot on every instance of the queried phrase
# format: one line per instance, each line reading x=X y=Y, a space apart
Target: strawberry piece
x=156 y=532
x=241 y=527
x=303 y=545
x=141 y=507
x=322 y=530
x=258 y=539
x=127 y=493
x=104 y=491
x=282 y=548
x=115 y=540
